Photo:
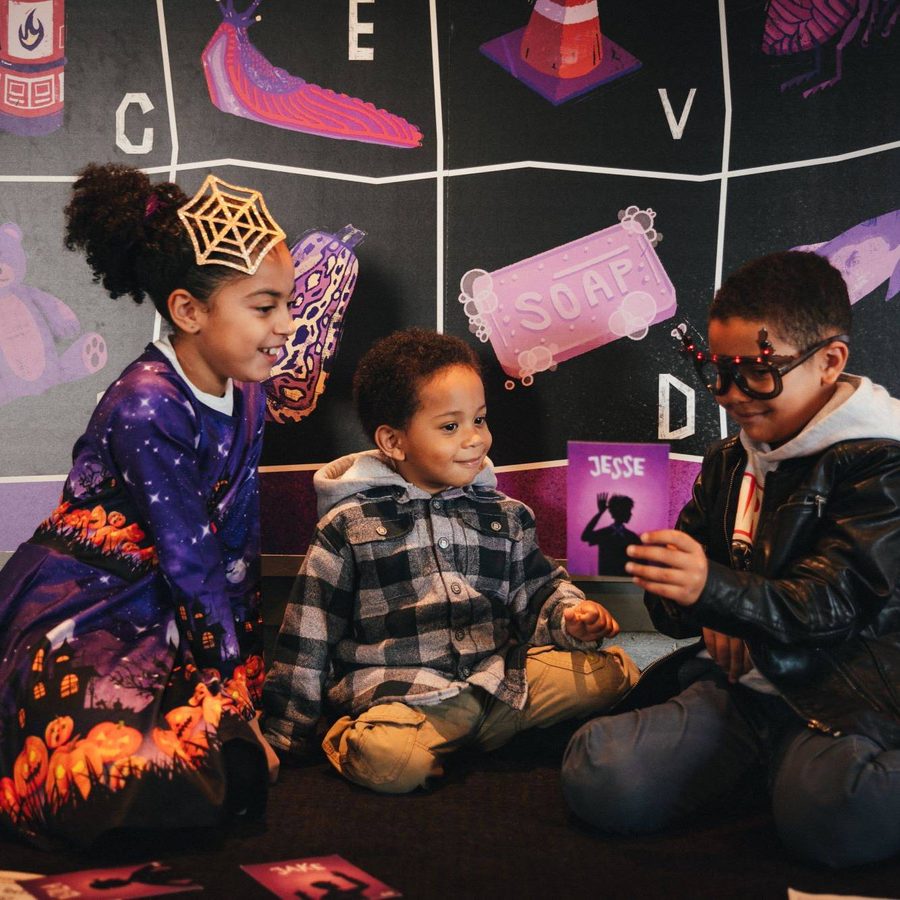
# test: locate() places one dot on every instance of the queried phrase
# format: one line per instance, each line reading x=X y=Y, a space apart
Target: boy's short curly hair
x=799 y=294
x=388 y=377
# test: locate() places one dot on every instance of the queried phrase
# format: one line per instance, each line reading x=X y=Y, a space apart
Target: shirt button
x=443 y=543
x=380 y=529
x=495 y=526
x=455 y=587
x=459 y=634
x=437 y=504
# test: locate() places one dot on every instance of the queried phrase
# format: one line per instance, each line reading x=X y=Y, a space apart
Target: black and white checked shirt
x=408 y=596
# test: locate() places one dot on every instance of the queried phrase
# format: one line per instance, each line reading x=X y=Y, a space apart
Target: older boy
x=787 y=562
x=424 y=610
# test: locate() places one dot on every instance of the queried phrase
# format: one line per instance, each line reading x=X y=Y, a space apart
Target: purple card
x=318 y=876
x=151 y=879
x=613 y=493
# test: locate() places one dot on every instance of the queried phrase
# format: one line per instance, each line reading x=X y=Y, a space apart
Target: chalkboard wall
x=686 y=141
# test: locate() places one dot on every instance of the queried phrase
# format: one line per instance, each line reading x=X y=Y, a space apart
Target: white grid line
x=484 y=170
x=723 y=184
x=170 y=91
x=173 y=120
x=439 y=162
x=30 y=479
x=726 y=145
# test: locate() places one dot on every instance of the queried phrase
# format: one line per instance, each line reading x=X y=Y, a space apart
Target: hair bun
x=126 y=226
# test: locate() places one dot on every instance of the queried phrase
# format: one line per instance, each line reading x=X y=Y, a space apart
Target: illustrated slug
x=243 y=82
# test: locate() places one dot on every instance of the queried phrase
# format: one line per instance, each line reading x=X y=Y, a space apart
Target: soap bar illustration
x=566 y=301
x=243 y=82
x=325 y=270
x=32 y=60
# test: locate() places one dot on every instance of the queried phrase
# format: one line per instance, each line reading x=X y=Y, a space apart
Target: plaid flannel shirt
x=405 y=596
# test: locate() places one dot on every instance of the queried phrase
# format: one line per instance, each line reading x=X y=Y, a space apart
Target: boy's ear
x=390 y=442
x=185 y=310
x=834 y=360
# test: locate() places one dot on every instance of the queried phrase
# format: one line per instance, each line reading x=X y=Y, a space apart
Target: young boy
x=424 y=611
x=787 y=562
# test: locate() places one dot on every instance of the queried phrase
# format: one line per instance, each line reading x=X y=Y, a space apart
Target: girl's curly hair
x=388 y=377
x=132 y=237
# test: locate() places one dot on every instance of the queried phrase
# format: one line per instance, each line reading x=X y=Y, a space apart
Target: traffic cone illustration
x=562 y=38
x=561 y=52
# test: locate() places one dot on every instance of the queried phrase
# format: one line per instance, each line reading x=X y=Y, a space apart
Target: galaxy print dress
x=130 y=638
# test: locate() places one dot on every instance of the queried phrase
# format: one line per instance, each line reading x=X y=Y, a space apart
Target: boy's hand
x=729 y=652
x=589 y=621
x=669 y=563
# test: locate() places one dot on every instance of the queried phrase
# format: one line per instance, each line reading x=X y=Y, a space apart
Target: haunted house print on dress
x=130 y=626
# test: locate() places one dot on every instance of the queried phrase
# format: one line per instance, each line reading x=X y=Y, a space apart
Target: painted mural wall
x=558 y=182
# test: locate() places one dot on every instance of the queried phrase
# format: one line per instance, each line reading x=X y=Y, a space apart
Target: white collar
x=220 y=404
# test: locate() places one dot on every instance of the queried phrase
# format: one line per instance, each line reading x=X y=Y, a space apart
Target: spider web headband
x=229 y=226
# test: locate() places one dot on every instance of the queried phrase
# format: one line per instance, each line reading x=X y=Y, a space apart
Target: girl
x=130 y=639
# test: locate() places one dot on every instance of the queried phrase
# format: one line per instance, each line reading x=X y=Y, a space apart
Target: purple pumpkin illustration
x=798 y=26
x=325 y=270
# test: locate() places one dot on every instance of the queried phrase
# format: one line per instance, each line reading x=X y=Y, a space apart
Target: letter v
x=677 y=128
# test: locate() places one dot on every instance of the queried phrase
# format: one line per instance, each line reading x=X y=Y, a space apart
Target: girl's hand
x=272 y=760
x=589 y=621
x=670 y=564
x=235 y=695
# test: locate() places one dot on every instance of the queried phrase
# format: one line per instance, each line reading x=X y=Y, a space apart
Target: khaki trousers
x=394 y=748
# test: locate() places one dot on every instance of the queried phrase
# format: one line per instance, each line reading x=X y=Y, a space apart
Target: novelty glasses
x=758 y=376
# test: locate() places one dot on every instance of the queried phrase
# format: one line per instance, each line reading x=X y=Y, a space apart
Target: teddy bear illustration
x=34 y=329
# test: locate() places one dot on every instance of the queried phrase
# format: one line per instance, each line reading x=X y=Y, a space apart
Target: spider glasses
x=758 y=376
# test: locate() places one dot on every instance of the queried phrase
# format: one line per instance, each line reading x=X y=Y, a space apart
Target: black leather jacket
x=819 y=608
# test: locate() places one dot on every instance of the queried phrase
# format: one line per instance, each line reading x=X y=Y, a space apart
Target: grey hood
x=363 y=471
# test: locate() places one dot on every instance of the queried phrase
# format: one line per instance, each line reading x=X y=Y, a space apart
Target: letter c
x=122 y=141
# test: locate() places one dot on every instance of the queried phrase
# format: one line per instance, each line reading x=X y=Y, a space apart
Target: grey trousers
x=835 y=801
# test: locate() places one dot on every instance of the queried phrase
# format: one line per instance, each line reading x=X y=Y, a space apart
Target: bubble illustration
x=634 y=317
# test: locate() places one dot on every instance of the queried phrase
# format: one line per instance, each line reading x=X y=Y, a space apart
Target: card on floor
x=317 y=877
x=151 y=879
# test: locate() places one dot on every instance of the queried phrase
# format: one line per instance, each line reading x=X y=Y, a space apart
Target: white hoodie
x=858 y=409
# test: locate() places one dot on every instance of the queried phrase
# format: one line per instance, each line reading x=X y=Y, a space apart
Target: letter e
x=354 y=29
